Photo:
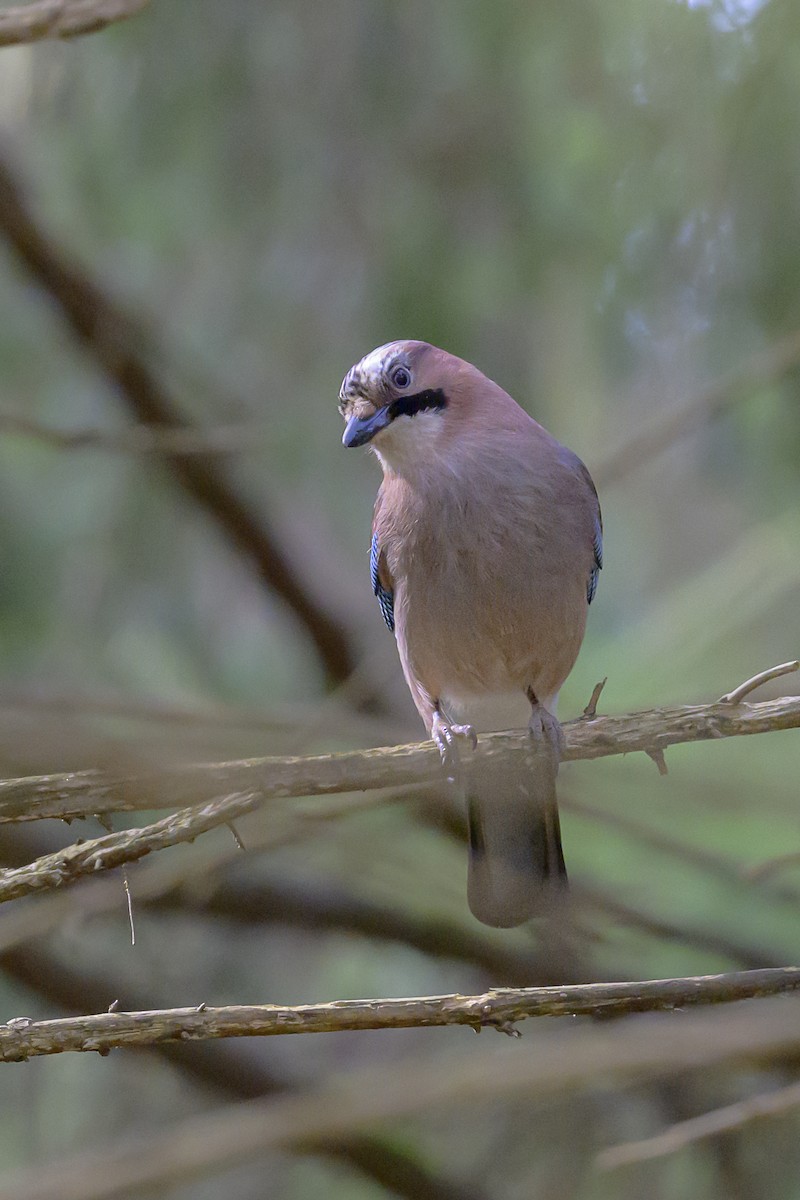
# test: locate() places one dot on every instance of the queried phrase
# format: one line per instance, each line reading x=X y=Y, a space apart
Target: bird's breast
x=488 y=599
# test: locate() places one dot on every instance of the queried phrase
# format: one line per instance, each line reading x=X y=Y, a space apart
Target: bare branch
x=686 y=1133
x=140 y=439
x=501 y=1008
x=111 y=338
x=770 y=866
x=62 y=18
x=88 y=858
x=555 y=1062
x=81 y=793
x=672 y=423
x=221 y=1070
x=750 y=685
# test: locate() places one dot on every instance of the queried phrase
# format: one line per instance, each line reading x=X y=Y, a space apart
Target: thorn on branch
x=659 y=759
x=237 y=837
x=506 y=1027
x=591 y=708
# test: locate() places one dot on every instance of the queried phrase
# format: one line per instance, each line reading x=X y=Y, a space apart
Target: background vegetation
x=600 y=206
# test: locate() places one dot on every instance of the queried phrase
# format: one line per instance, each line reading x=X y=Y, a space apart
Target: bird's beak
x=360 y=430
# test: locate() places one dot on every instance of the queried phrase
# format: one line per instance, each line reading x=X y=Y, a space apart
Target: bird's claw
x=545 y=729
x=446 y=738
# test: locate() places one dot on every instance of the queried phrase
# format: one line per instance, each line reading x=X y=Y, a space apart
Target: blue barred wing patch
x=385 y=597
x=597 y=545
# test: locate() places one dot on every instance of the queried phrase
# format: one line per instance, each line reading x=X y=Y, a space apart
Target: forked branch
x=214 y=794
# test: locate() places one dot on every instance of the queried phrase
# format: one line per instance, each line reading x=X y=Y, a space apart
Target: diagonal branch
x=62 y=18
x=110 y=337
x=674 y=422
x=686 y=1133
x=500 y=1008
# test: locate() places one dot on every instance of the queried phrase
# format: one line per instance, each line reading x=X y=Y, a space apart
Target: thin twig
x=686 y=1133
x=674 y=422
x=770 y=866
x=744 y=689
x=62 y=18
x=556 y=1062
x=140 y=439
x=499 y=1007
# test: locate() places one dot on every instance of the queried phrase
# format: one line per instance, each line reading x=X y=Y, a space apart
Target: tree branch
x=673 y=422
x=217 y=793
x=22 y=1038
x=557 y=1062
x=141 y=439
x=82 y=793
x=686 y=1133
x=110 y=337
x=219 y=1068
x=62 y=19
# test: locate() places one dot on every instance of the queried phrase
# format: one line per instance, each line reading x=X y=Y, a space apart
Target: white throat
x=410 y=443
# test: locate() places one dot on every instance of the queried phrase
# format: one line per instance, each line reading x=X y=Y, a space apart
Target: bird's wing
x=597 y=545
x=381 y=582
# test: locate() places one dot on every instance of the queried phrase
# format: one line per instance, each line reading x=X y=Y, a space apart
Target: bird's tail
x=516 y=865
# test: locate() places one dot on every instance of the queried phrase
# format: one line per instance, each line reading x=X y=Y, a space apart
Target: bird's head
x=395 y=399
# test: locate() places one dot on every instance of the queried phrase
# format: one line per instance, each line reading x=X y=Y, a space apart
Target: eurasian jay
x=486 y=547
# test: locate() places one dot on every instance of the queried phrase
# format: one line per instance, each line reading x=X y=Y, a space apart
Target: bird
x=487 y=542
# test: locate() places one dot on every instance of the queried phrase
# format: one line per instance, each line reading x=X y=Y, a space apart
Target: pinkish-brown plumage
x=487 y=541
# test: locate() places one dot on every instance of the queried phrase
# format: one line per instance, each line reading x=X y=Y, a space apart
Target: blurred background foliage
x=599 y=205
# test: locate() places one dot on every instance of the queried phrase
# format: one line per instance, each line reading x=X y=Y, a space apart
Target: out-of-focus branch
x=219 y=793
x=686 y=1133
x=82 y=793
x=564 y=1062
x=111 y=338
x=140 y=439
x=324 y=908
x=675 y=421
x=220 y=1067
x=500 y=1008
x=62 y=18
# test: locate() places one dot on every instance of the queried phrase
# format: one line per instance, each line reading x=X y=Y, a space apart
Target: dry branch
x=141 y=439
x=217 y=793
x=674 y=422
x=501 y=1008
x=82 y=793
x=111 y=337
x=555 y=1062
x=686 y=1133
x=222 y=1071
x=62 y=18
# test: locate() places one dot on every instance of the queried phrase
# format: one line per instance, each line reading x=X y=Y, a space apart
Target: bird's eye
x=401 y=377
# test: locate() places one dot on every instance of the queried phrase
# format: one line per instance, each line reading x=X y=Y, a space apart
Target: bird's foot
x=545 y=729
x=446 y=738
